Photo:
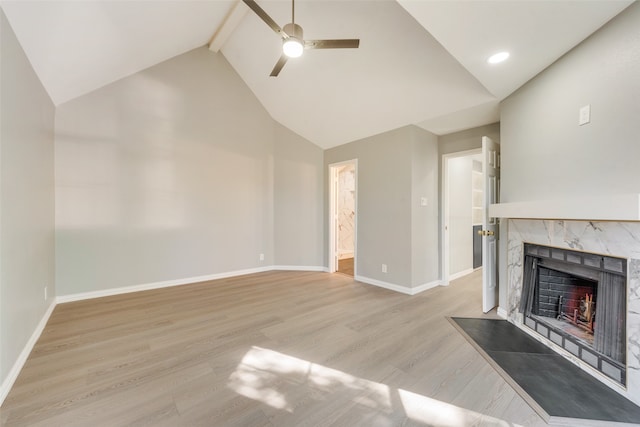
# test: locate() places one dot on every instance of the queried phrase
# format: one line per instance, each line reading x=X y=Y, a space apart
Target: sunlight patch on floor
x=277 y=380
x=437 y=413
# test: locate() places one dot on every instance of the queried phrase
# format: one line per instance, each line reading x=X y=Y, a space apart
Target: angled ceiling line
x=236 y=13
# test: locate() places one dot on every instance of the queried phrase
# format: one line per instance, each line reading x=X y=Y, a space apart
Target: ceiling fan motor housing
x=294 y=31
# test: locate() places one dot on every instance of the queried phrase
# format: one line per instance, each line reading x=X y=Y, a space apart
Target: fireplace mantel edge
x=616 y=207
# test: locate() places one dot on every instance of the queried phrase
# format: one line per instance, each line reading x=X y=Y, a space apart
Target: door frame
x=445 y=235
x=332 y=228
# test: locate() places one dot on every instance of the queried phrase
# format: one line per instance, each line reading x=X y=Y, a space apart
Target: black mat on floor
x=560 y=388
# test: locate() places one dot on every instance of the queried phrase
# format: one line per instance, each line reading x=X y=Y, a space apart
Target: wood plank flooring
x=269 y=349
x=345 y=266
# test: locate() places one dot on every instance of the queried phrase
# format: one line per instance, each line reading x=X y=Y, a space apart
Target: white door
x=334 y=214
x=491 y=162
x=335 y=232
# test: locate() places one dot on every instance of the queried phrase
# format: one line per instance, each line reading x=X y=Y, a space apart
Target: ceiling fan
x=293 y=43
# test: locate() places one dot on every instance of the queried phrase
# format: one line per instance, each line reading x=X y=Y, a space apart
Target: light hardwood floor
x=270 y=349
x=345 y=266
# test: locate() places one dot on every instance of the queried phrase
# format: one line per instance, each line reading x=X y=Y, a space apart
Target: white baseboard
x=300 y=268
x=460 y=274
x=6 y=385
x=381 y=284
x=425 y=287
x=397 y=288
x=157 y=285
x=502 y=312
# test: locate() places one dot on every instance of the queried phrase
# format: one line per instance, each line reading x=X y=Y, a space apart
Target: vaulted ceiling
x=419 y=62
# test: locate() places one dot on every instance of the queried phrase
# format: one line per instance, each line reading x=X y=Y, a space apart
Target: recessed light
x=498 y=57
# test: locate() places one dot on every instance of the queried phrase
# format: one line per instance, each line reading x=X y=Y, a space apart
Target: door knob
x=486 y=232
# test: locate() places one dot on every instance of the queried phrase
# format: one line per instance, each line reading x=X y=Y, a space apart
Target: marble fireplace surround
x=615 y=238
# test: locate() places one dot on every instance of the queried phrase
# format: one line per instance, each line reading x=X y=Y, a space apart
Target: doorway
x=462 y=193
x=343 y=218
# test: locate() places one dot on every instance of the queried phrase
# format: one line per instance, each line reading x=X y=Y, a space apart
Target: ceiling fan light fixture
x=292 y=47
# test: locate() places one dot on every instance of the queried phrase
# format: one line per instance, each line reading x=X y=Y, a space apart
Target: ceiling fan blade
x=264 y=16
x=332 y=44
x=279 y=65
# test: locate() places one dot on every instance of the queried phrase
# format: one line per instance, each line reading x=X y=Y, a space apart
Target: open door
x=491 y=156
x=343 y=231
x=333 y=219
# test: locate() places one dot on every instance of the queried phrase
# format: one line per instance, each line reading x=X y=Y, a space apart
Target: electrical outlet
x=384 y=268
x=261 y=257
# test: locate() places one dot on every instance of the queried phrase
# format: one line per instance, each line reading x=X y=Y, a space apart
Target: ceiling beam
x=231 y=21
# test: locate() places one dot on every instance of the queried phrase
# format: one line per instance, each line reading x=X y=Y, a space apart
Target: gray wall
x=298 y=219
x=169 y=174
x=541 y=137
x=26 y=199
x=545 y=154
x=392 y=228
x=469 y=139
x=425 y=252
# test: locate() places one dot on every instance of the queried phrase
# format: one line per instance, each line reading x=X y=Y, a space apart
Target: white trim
x=381 y=284
x=24 y=354
x=462 y=273
x=157 y=285
x=425 y=287
x=610 y=207
x=398 y=288
x=502 y=312
x=300 y=268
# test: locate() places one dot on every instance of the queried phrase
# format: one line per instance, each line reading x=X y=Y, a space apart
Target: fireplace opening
x=567 y=302
x=578 y=301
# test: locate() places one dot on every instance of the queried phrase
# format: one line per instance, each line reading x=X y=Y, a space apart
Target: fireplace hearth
x=578 y=301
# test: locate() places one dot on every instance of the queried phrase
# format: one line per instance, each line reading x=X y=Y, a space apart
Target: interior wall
x=546 y=154
x=425 y=167
x=298 y=218
x=26 y=200
x=386 y=203
x=384 y=191
x=164 y=175
x=469 y=139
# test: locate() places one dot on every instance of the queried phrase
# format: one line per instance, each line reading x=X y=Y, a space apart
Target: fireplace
x=578 y=301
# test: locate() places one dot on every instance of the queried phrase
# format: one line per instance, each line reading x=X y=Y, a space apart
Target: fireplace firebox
x=578 y=301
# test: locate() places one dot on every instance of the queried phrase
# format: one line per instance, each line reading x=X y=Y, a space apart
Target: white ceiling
x=419 y=62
